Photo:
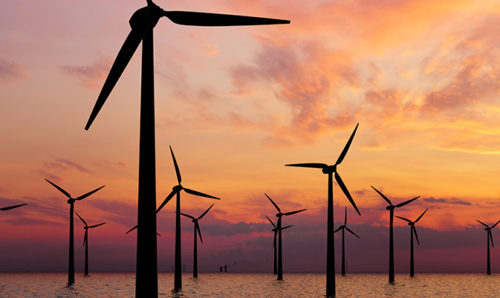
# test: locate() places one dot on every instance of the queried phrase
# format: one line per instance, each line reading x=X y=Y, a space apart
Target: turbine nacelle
x=146 y=17
x=330 y=169
x=177 y=188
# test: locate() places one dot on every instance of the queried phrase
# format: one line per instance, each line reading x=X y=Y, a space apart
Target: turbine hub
x=146 y=17
x=279 y=215
x=71 y=201
x=177 y=188
x=329 y=169
x=390 y=207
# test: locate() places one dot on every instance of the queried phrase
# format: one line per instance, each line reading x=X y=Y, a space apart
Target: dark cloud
x=10 y=71
x=64 y=164
x=451 y=201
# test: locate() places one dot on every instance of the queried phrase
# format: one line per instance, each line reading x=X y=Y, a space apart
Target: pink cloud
x=10 y=71
x=91 y=76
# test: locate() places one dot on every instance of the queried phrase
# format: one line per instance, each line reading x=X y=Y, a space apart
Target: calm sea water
x=253 y=285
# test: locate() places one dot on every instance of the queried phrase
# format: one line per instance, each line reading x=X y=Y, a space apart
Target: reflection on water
x=253 y=285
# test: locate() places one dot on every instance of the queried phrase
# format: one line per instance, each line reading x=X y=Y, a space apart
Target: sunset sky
x=422 y=78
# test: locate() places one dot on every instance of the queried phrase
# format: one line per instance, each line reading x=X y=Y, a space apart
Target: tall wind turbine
x=176 y=190
x=196 y=230
x=275 y=231
x=279 y=215
x=413 y=231
x=86 y=241
x=330 y=249
x=391 y=208
x=71 y=202
x=12 y=207
x=344 y=228
x=489 y=236
x=142 y=23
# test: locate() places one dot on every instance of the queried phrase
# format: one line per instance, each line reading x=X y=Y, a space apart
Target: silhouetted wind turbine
x=196 y=230
x=279 y=228
x=391 y=208
x=489 y=236
x=12 y=207
x=413 y=231
x=275 y=231
x=142 y=22
x=86 y=241
x=343 y=228
x=330 y=249
x=176 y=190
x=71 y=202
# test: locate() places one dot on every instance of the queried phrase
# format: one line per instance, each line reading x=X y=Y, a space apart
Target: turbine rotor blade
x=407 y=202
x=59 y=188
x=338 y=229
x=405 y=219
x=187 y=215
x=382 y=195
x=287 y=227
x=346 y=192
x=421 y=215
x=12 y=207
x=131 y=230
x=97 y=225
x=271 y=222
x=495 y=224
x=491 y=237
x=200 y=194
x=349 y=230
x=482 y=223
x=88 y=194
x=275 y=205
x=346 y=148
x=415 y=232
x=85 y=237
x=191 y=18
x=275 y=236
x=206 y=211
x=199 y=232
x=170 y=195
x=308 y=165
x=122 y=59
x=294 y=212
x=177 y=171
x=84 y=222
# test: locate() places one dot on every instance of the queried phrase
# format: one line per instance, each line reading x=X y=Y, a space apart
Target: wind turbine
x=86 y=241
x=12 y=207
x=196 y=230
x=344 y=228
x=176 y=190
x=330 y=249
x=142 y=23
x=275 y=231
x=489 y=236
x=413 y=231
x=279 y=215
x=391 y=208
x=71 y=202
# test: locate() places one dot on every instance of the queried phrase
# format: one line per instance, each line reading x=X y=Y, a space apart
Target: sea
x=252 y=285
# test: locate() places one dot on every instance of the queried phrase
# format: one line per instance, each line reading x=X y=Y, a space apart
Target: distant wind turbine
x=489 y=236
x=143 y=22
x=413 y=231
x=330 y=248
x=344 y=228
x=279 y=215
x=391 y=208
x=71 y=202
x=275 y=231
x=86 y=241
x=196 y=230
x=12 y=207
x=176 y=190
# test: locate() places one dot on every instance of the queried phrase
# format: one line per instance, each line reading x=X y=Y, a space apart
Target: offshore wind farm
x=401 y=95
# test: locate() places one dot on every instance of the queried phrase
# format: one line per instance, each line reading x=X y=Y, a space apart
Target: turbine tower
x=275 y=231
x=344 y=228
x=86 y=241
x=71 y=202
x=142 y=23
x=330 y=249
x=413 y=231
x=489 y=236
x=279 y=215
x=196 y=230
x=391 y=208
